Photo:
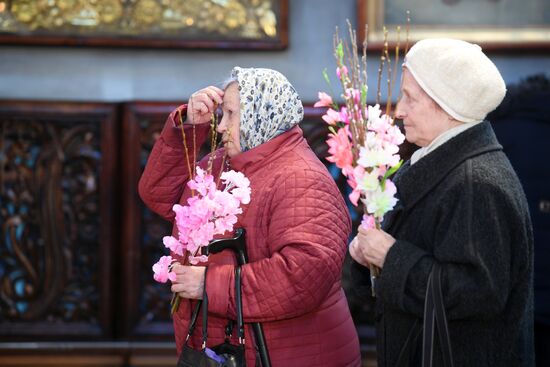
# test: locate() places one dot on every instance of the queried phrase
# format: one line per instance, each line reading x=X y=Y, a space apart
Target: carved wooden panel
x=146 y=303
x=56 y=190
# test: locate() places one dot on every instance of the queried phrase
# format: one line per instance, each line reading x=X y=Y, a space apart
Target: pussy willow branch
x=176 y=300
x=213 y=138
x=380 y=69
x=396 y=62
x=355 y=84
x=389 y=71
x=185 y=149
x=194 y=152
x=406 y=42
x=408 y=31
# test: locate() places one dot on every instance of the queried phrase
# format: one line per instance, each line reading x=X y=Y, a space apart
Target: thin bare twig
x=380 y=70
x=189 y=169
x=408 y=31
x=388 y=80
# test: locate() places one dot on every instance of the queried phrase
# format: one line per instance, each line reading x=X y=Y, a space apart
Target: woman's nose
x=399 y=111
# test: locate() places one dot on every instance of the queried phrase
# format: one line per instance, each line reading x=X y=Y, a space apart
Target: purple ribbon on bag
x=211 y=354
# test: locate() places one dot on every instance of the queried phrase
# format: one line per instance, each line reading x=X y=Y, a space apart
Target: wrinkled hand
x=202 y=103
x=189 y=281
x=371 y=246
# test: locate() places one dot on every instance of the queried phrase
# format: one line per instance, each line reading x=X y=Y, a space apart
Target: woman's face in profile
x=230 y=123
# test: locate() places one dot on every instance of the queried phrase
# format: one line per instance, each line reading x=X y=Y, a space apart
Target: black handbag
x=237 y=244
x=222 y=355
x=434 y=314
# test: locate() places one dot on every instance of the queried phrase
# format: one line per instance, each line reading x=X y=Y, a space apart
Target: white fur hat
x=458 y=76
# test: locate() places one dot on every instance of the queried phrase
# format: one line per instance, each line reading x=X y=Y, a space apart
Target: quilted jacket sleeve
x=307 y=235
x=166 y=172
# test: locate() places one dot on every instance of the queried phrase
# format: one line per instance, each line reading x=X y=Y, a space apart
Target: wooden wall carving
x=147 y=302
x=56 y=187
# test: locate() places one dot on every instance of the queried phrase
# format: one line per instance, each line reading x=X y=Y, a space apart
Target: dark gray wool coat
x=461 y=205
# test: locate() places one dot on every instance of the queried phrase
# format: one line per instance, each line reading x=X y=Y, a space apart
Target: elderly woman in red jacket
x=296 y=224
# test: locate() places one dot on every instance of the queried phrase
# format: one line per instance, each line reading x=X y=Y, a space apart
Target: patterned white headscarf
x=269 y=105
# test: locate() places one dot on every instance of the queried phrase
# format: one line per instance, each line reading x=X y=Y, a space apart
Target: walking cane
x=238 y=245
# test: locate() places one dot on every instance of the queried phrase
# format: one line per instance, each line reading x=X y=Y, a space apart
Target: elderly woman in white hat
x=462 y=213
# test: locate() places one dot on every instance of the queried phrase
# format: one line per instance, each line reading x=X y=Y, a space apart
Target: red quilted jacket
x=296 y=226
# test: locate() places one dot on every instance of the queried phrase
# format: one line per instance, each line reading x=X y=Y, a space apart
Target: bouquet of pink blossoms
x=363 y=142
x=209 y=213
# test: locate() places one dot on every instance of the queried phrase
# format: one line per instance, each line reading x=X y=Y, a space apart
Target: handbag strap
x=407 y=351
x=239 y=304
x=201 y=305
x=204 y=314
x=429 y=323
x=440 y=316
x=193 y=321
x=434 y=313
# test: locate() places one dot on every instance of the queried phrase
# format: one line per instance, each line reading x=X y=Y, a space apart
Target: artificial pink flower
x=203 y=183
x=200 y=237
x=207 y=214
x=355 y=94
x=241 y=194
x=376 y=153
x=332 y=117
x=236 y=178
x=355 y=175
x=199 y=211
x=341 y=71
x=394 y=135
x=225 y=224
x=237 y=185
x=179 y=210
x=324 y=100
x=354 y=197
x=162 y=270
x=368 y=222
x=379 y=124
x=380 y=202
x=340 y=149
x=370 y=180
x=173 y=244
x=227 y=204
x=374 y=112
x=344 y=116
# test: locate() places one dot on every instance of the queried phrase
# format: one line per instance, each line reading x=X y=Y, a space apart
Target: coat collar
x=414 y=182
x=253 y=159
